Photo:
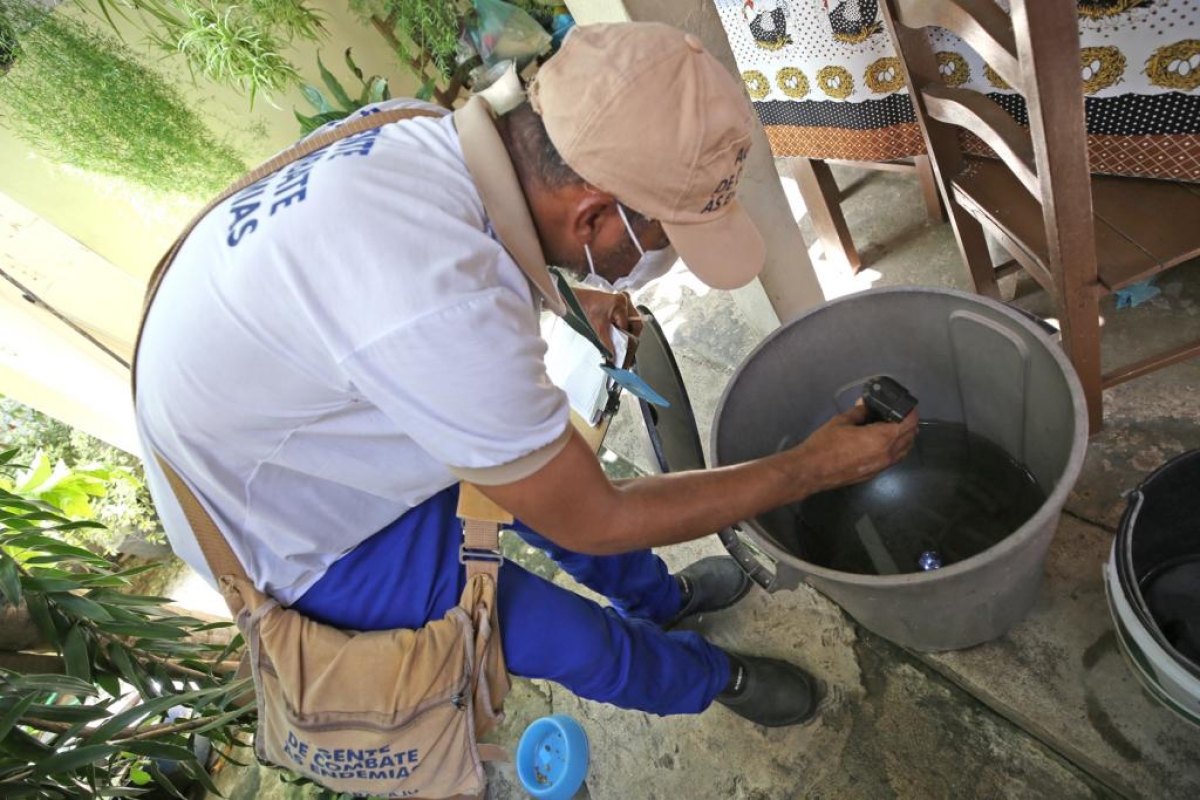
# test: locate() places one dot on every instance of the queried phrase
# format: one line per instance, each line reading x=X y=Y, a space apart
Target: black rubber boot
x=710 y=584
x=769 y=692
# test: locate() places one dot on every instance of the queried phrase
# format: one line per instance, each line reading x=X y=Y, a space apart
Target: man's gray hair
x=538 y=155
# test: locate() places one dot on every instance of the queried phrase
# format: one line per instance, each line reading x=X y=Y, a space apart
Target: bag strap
x=482 y=519
x=217 y=553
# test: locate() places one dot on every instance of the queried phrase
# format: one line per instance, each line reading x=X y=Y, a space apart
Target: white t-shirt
x=336 y=344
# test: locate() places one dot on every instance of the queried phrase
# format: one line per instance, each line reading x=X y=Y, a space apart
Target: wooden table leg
x=929 y=189
x=823 y=201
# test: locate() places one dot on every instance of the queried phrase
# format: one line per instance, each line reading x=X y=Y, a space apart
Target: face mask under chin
x=653 y=264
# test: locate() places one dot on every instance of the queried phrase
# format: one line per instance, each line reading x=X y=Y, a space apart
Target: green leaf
x=34 y=583
x=36 y=475
x=213 y=626
x=426 y=90
x=33 y=540
x=39 y=610
x=179 y=649
x=314 y=97
x=17 y=504
x=60 y=684
x=335 y=88
x=9 y=455
x=24 y=746
x=125 y=791
x=358 y=73
x=310 y=124
x=133 y=673
x=43 y=516
x=235 y=644
x=129 y=573
x=377 y=90
x=149 y=708
x=53 y=712
x=78 y=553
x=163 y=780
x=109 y=682
x=78 y=607
x=139 y=776
x=307 y=124
x=133 y=600
x=143 y=630
x=77 y=525
x=13 y=714
x=102 y=581
x=71 y=760
x=196 y=772
x=222 y=720
x=153 y=749
x=10 y=580
x=75 y=654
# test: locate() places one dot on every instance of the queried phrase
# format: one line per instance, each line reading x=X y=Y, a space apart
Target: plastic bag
x=502 y=31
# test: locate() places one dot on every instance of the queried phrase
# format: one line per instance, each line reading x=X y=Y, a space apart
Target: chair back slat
x=980 y=23
x=1048 y=50
x=991 y=123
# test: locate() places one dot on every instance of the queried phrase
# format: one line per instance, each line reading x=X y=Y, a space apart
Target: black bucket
x=1153 y=584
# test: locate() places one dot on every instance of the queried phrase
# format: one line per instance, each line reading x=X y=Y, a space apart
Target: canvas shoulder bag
x=394 y=713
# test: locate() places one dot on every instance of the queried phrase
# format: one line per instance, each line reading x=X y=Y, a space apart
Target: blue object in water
x=929 y=560
x=552 y=758
x=1137 y=293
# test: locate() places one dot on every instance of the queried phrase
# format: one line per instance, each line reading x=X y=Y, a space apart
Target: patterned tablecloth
x=827 y=84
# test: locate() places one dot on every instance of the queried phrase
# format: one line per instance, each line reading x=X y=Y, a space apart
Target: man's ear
x=590 y=213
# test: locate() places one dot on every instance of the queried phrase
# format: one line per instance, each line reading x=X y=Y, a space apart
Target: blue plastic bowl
x=552 y=758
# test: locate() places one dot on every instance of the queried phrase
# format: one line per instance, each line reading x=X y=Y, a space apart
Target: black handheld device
x=886 y=400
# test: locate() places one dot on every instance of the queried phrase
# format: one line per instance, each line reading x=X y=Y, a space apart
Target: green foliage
x=289 y=18
x=80 y=474
x=10 y=48
x=62 y=487
x=81 y=98
x=425 y=36
x=230 y=47
x=238 y=44
x=134 y=686
x=374 y=90
x=433 y=26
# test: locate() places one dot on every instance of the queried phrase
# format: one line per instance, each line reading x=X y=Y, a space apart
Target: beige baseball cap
x=642 y=111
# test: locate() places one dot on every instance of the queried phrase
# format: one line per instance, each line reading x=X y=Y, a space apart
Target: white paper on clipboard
x=573 y=365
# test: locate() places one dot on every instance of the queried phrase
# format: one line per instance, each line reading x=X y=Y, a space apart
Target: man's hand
x=605 y=309
x=845 y=450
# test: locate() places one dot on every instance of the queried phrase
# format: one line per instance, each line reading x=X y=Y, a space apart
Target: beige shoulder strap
x=482 y=520
x=498 y=186
x=218 y=554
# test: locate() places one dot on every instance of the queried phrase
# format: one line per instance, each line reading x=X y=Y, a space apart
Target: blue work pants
x=409 y=573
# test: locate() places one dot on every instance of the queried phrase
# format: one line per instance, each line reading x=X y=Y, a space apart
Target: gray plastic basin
x=967 y=359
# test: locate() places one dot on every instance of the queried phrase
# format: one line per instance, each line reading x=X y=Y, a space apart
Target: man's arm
x=572 y=502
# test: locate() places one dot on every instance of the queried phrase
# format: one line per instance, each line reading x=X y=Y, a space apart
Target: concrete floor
x=1049 y=710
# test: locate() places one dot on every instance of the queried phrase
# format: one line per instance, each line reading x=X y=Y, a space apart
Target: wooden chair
x=1081 y=236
